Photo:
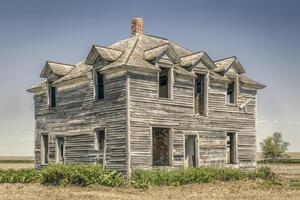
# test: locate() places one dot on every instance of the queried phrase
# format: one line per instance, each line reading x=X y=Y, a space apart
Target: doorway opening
x=60 y=150
x=190 y=150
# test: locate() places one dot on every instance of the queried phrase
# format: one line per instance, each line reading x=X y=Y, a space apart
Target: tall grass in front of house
x=80 y=175
x=19 y=176
x=83 y=175
x=182 y=176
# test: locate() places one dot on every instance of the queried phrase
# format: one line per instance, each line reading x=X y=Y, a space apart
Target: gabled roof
x=193 y=59
x=106 y=53
x=153 y=53
x=223 y=65
x=134 y=49
x=79 y=70
x=247 y=81
x=59 y=69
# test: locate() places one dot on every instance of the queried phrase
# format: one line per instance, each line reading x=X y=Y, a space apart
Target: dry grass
x=285 y=171
x=16 y=165
x=232 y=190
x=229 y=190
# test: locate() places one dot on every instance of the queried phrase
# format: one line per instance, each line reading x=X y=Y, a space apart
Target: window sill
x=52 y=108
x=231 y=104
x=200 y=116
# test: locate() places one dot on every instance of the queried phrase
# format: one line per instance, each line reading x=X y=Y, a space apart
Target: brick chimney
x=137 y=25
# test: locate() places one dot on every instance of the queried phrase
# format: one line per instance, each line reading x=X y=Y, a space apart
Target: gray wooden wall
x=76 y=116
x=148 y=110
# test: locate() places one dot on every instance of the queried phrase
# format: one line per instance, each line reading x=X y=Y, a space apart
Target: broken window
x=45 y=141
x=60 y=150
x=99 y=86
x=164 y=82
x=230 y=98
x=51 y=95
x=160 y=146
x=231 y=148
x=100 y=137
x=200 y=99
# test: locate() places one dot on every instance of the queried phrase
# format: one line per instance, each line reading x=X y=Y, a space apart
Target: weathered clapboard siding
x=75 y=117
x=148 y=110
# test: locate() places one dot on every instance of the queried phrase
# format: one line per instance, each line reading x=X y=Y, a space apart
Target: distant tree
x=274 y=147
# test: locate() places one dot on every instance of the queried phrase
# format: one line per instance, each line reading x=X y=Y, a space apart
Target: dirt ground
x=231 y=190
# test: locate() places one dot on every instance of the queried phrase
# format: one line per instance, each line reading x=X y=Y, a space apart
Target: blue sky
x=264 y=35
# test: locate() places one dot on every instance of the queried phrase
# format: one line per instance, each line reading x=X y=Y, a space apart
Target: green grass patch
x=17 y=161
x=182 y=176
x=83 y=175
x=283 y=161
x=80 y=175
x=19 y=176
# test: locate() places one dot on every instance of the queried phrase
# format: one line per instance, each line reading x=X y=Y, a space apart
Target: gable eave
x=110 y=55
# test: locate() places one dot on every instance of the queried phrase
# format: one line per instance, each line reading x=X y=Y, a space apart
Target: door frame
x=197 y=156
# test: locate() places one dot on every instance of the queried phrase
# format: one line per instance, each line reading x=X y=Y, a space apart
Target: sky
x=264 y=35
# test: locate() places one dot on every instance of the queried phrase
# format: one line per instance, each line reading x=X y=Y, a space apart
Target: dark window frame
x=164 y=81
x=202 y=94
x=99 y=85
x=231 y=92
x=100 y=136
x=52 y=95
x=163 y=144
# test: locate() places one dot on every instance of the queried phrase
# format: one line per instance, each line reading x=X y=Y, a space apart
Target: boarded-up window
x=230 y=93
x=161 y=146
x=60 y=150
x=100 y=135
x=231 y=148
x=52 y=95
x=164 y=82
x=99 y=86
x=45 y=154
x=200 y=99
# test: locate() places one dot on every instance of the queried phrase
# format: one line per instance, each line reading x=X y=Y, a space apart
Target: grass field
x=229 y=190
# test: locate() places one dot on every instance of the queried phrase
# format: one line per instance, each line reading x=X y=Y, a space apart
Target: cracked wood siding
x=77 y=114
x=147 y=109
x=230 y=118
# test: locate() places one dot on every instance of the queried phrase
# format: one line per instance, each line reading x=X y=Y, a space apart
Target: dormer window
x=99 y=60
x=201 y=94
x=51 y=95
x=99 y=85
x=231 y=92
x=164 y=82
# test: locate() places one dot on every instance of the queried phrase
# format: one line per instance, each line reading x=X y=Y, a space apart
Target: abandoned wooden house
x=146 y=102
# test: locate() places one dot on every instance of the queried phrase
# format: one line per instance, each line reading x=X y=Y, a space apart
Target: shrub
x=80 y=175
x=146 y=178
x=19 y=176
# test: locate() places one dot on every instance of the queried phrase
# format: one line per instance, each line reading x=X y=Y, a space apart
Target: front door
x=190 y=150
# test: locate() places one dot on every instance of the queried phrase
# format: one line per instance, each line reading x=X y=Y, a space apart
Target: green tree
x=274 y=147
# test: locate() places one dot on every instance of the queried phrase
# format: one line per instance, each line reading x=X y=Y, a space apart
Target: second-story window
x=200 y=95
x=51 y=95
x=230 y=97
x=164 y=82
x=99 y=85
